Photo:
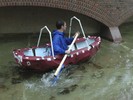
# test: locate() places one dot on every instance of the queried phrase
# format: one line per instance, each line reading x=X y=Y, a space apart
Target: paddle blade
x=54 y=81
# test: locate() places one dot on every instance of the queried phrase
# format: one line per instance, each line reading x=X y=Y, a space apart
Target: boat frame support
x=80 y=27
x=45 y=27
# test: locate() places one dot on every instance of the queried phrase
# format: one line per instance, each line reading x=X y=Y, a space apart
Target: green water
x=107 y=76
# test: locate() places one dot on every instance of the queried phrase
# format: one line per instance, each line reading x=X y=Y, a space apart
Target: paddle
x=61 y=66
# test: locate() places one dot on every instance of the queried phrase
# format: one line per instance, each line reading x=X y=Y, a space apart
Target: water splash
x=47 y=79
x=112 y=80
x=29 y=85
x=62 y=81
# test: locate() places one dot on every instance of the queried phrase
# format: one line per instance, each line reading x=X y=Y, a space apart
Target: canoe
x=42 y=58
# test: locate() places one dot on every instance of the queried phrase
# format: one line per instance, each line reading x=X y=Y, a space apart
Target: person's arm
x=69 y=40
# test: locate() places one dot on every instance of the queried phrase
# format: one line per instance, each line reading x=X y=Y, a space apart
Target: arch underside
x=106 y=14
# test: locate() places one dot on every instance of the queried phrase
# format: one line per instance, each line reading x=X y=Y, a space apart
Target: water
x=107 y=76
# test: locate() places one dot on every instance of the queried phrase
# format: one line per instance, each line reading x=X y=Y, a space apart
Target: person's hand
x=76 y=34
x=67 y=52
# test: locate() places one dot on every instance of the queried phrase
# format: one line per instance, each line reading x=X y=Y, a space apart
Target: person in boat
x=60 y=42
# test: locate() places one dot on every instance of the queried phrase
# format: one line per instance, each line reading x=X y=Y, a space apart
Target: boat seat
x=29 y=52
x=81 y=45
x=42 y=52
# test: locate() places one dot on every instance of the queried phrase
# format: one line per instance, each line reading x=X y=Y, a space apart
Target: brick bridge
x=111 y=13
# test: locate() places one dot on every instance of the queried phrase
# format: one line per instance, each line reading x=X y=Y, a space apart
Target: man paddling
x=60 y=42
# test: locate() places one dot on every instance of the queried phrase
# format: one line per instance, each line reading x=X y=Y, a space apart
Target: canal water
x=107 y=76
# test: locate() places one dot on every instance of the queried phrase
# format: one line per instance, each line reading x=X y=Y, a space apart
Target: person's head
x=61 y=25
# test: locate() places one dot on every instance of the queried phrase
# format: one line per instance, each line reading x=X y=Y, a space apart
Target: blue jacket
x=60 y=42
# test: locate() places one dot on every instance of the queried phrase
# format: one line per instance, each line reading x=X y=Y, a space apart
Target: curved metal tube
x=45 y=27
x=80 y=27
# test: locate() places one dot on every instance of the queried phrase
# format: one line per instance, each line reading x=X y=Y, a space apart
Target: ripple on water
x=127 y=77
x=111 y=81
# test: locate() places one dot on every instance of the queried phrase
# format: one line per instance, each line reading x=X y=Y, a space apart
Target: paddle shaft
x=64 y=58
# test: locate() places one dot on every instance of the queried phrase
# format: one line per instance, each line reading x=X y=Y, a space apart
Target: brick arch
x=103 y=11
x=85 y=7
x=125 y=15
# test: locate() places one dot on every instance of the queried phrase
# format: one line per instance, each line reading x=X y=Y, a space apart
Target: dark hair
x=59 y=24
